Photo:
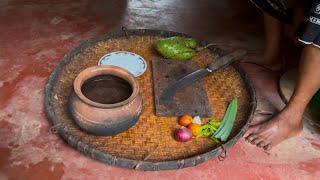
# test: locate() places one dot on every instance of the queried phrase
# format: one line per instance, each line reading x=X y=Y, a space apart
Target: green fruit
x=177 y=48
x=174 y=50
x=189 y=42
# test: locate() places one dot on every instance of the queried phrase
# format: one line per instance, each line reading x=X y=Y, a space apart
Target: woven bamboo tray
x=149 y=145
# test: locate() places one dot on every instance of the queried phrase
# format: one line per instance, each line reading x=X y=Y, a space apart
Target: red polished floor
x=35 y=35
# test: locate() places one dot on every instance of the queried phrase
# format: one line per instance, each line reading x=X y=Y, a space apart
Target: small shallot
x=182 y=134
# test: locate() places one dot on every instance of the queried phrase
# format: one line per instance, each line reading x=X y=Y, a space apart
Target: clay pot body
x=104 y=119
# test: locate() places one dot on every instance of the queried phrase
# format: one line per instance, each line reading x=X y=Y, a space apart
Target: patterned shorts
x=309 y=31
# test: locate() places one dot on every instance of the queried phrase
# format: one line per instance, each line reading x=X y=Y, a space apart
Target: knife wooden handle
x=226 y=60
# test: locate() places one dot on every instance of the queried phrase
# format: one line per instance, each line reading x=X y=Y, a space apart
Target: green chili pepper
x=209 y=129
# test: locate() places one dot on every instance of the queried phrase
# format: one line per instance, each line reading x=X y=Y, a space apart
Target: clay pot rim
x=105 y=70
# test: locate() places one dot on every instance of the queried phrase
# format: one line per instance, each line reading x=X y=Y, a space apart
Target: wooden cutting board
x=191 y=100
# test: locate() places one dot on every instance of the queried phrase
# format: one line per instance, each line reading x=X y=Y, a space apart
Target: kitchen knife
x=218 y=64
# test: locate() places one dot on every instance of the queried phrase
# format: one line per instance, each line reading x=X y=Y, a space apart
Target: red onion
x=183 y=134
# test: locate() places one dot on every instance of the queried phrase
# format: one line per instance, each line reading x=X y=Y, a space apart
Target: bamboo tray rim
x=87 y=150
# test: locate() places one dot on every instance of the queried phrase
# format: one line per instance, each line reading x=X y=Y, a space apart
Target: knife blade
x=220 y=63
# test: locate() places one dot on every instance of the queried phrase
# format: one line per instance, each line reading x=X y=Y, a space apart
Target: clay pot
x=104 y=119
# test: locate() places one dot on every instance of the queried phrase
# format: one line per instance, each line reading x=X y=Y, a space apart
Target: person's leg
x=288 y=122
x=273 y=34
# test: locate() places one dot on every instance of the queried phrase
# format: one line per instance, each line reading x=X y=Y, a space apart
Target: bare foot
x=271 y=63
x=270 y=133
